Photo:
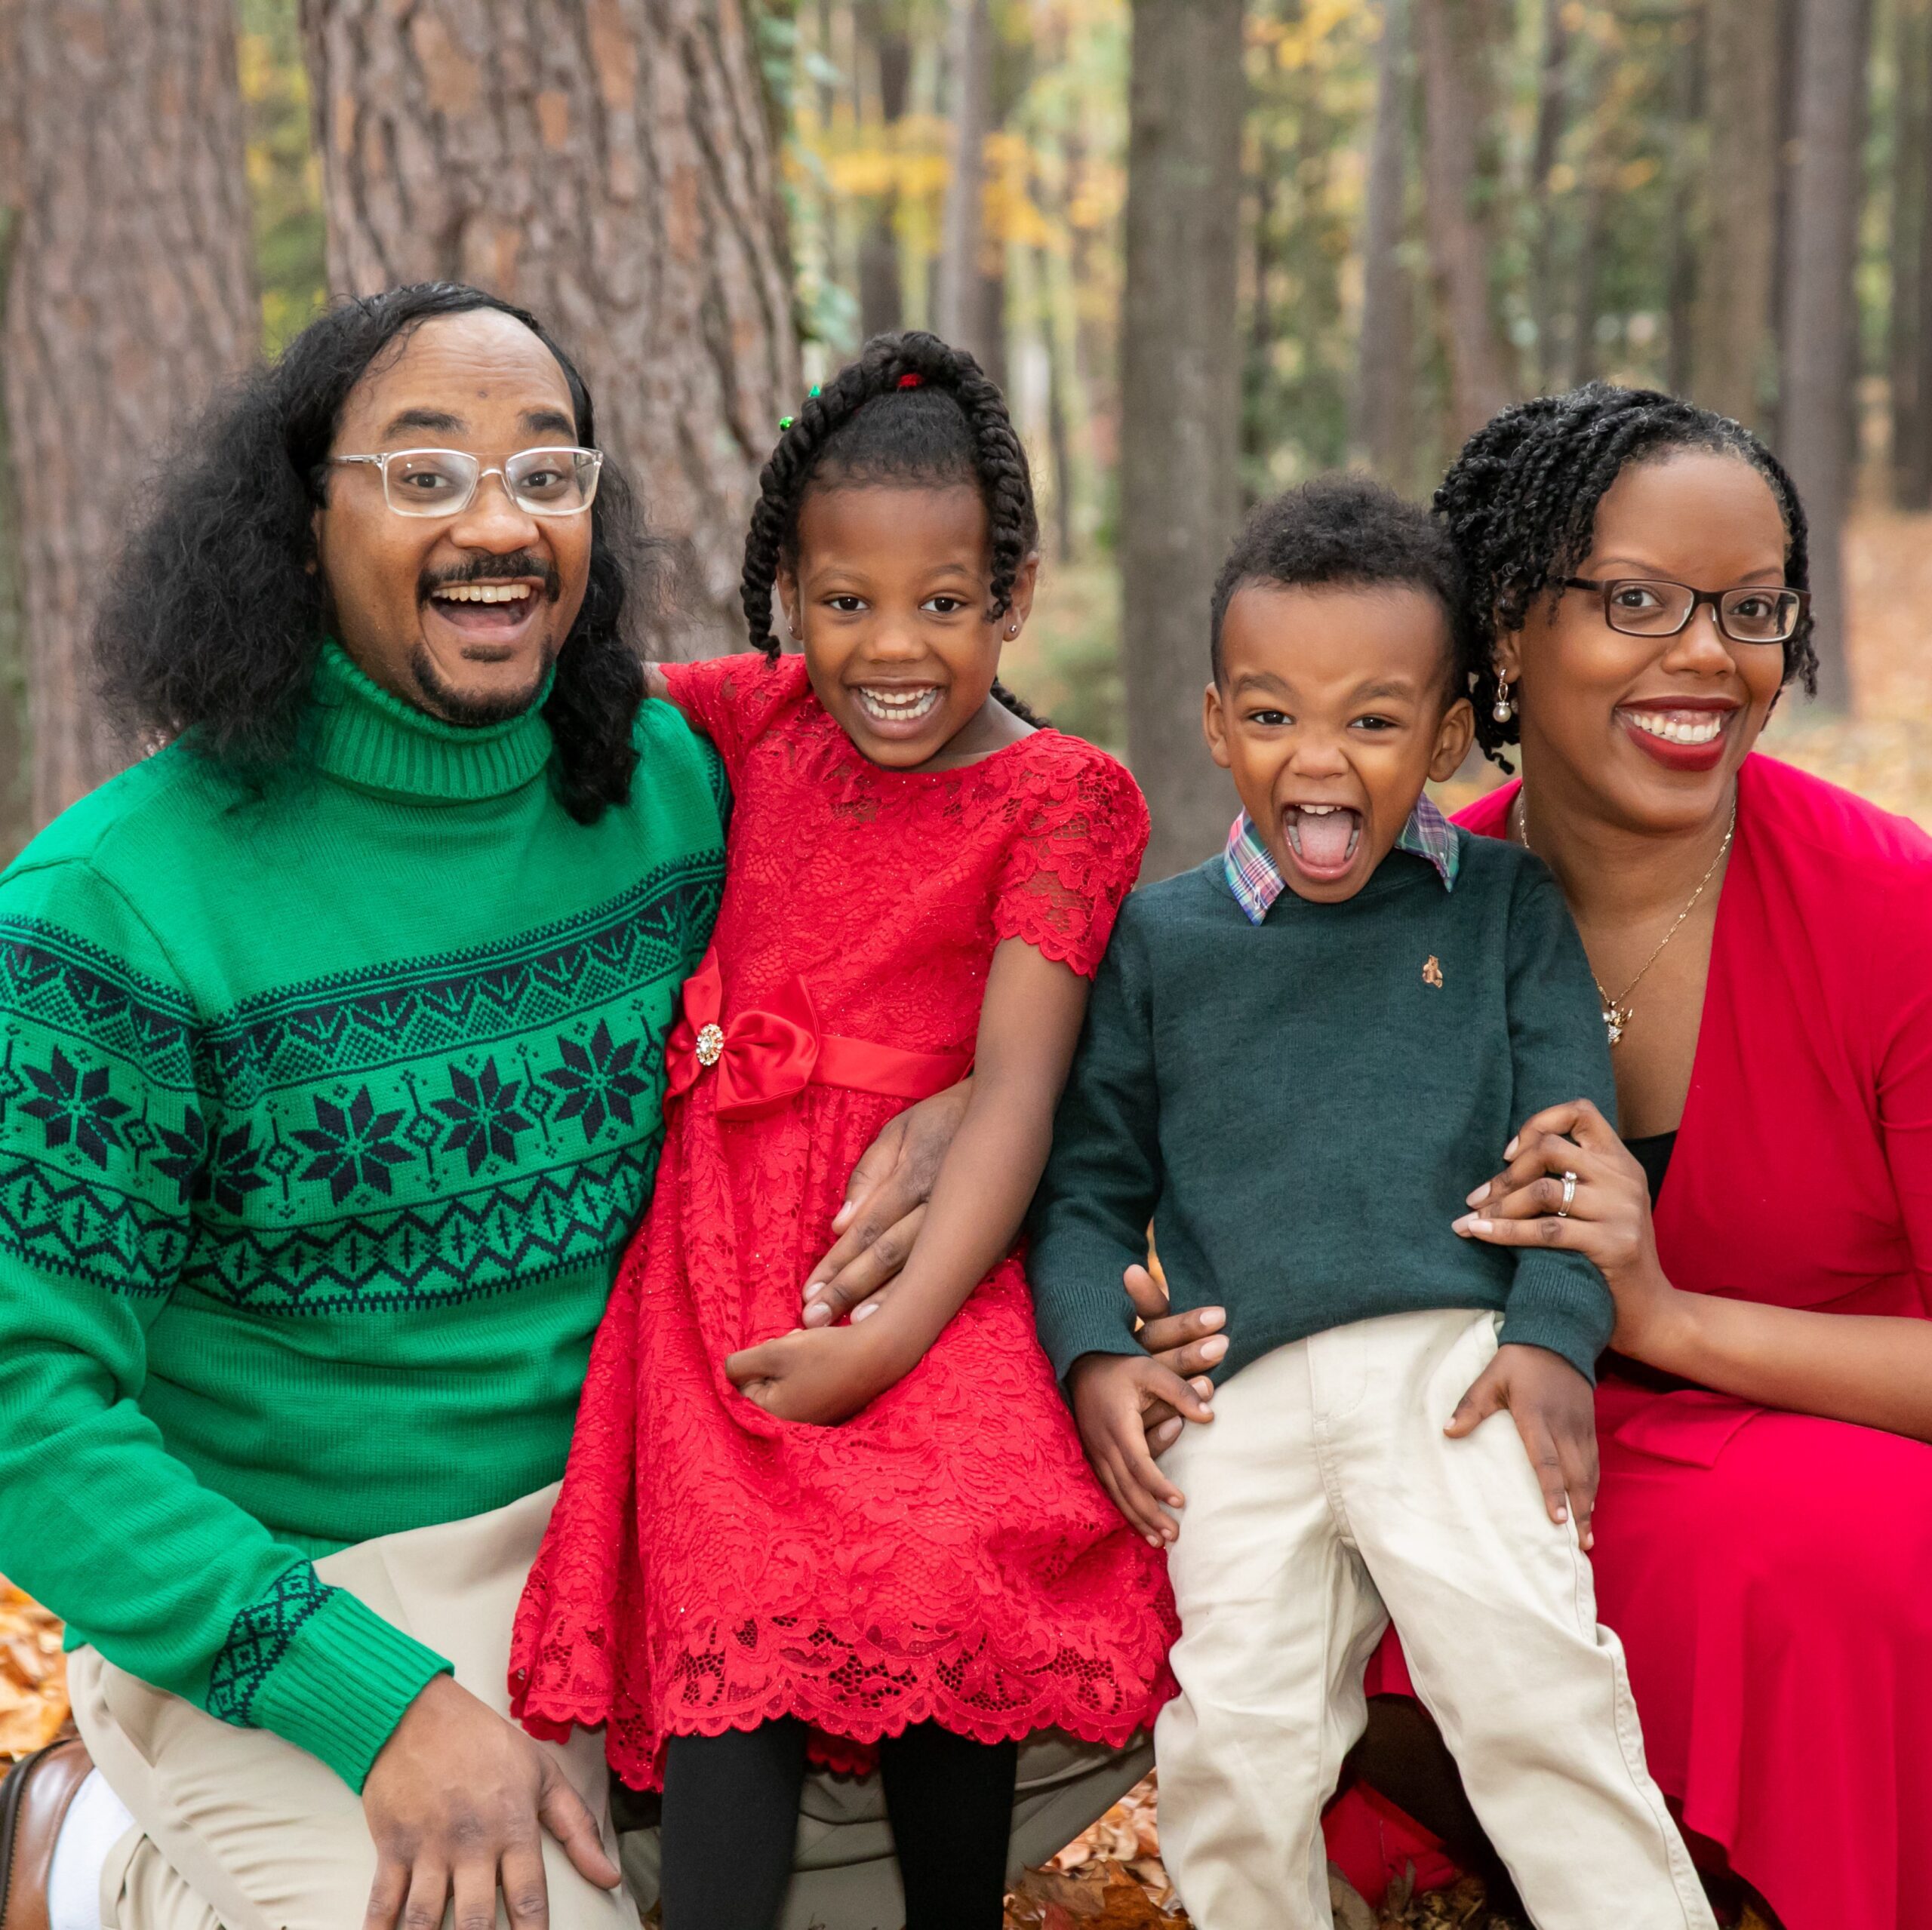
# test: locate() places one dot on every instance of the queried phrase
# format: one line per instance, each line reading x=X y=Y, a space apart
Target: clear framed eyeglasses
x=1652 y=606
x=443 y=482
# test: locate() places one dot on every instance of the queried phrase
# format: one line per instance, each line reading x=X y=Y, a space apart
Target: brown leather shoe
x=34 y=1801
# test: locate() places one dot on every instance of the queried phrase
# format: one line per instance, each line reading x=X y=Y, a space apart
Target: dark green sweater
x=1301 y=1111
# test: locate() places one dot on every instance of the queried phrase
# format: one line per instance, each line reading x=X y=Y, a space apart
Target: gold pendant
x=1615 y=1017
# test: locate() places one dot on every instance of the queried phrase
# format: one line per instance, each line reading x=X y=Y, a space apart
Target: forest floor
x=1112 y=1879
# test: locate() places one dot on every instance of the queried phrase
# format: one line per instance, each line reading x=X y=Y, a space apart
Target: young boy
x=1299 y=1059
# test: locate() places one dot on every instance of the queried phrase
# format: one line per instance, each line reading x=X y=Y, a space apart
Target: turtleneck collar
x=366 y=737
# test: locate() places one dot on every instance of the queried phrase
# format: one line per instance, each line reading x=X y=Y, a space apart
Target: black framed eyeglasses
x=1654 y=606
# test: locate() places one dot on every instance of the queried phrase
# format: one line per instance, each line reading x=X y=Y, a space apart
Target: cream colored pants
x=1323 y=1500
x=236 y=1828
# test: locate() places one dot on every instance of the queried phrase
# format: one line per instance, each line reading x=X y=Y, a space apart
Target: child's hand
x=1554 y=1411
x=822 y=1377
x=1112 y=1393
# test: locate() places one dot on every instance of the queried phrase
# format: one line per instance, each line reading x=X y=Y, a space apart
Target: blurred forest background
x=1209 y=248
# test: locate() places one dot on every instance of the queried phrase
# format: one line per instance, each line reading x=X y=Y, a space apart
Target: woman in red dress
x=778 y=1530
x=1764 y=942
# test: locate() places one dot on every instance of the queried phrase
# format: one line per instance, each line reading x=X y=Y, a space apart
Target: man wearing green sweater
x=1299 y=1060
x=330 y=1084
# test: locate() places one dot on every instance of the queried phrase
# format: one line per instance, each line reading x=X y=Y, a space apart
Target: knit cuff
x=1080 y=1306
x=1559 y=1301
x=341 y=1685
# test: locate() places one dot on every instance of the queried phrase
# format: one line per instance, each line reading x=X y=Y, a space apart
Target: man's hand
x=885 y=1200
x=822 y=1378
x=1111 y=1393
x=456 y=1802
x=1187 y=1345
x=1551 y=1403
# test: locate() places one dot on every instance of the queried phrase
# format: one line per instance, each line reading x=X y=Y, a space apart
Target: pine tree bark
x=1382 y=433
x=1451 y=45
x=1181 y=401
x=970 y=307
x=1552 y=116
x=882 y=303
x=131 y=295
x=16 y=768
x=1817 y=422
x=608 y=164
x=1731 y=320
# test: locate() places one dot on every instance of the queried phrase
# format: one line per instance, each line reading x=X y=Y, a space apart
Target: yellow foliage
x=1313 y=40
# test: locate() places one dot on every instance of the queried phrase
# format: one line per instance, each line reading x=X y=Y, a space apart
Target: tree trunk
x=16 y=745
x=1060 y=441
x=1821 y=315
x=972 y=301
x=1180 y=386
x=1451 y=44
x=609 y=166
x=1383 y=432
x=1909 y=332
x=1731 y=321
x=1915 y=480
x=881 y=300
x=131 y=295
x=1680 y=270
x=1552 y=116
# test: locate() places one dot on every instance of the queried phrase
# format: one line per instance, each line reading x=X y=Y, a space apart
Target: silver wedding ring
x=1569 y=1196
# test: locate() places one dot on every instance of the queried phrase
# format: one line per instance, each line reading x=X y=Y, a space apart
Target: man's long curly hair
x=216 y=610
x=1520 y=504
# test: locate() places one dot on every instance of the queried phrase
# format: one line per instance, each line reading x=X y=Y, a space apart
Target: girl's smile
x=889 y=594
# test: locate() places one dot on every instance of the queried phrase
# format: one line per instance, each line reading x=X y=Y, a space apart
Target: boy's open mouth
x=1323 y=837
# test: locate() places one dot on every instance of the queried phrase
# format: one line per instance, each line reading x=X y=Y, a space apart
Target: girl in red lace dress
x=875 y=1538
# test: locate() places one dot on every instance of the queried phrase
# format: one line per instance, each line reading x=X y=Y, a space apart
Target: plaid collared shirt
x=1257 y=881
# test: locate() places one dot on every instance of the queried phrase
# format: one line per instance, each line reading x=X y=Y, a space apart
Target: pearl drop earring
x=1504 y=708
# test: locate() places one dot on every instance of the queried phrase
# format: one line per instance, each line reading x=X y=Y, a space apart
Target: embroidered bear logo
x=1432 y=972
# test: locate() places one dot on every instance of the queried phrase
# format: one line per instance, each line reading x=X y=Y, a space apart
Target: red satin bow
x=763 y=1057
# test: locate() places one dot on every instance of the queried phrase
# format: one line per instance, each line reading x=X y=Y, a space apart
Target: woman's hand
x=821 y=1378
x=1187 y=1344
x=885 y=1200
x=1551 y=1405
x=1608 y=1221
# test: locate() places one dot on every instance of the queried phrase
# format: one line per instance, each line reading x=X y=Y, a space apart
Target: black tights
x=732 y=1815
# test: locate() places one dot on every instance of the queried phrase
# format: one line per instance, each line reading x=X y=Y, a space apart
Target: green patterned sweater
x=325 y=1112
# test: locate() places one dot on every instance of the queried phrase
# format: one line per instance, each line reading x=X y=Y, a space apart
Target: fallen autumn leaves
x=1112 y=1878
x=33 y=1674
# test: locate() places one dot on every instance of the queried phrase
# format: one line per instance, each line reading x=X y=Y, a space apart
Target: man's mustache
x=493 y=569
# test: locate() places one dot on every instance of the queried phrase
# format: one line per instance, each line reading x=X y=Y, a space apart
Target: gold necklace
x=1616 y=1013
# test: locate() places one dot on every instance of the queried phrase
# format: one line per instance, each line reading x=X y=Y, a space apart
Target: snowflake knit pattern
x=945 y=1555
x=326 y=1109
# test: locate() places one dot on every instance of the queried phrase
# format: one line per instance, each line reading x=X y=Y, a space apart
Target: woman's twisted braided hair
x=1520 y=504
x=911 y=411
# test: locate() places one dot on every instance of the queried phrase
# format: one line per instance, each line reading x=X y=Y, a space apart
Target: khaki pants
x=1323 y=1499
x=236 y=1830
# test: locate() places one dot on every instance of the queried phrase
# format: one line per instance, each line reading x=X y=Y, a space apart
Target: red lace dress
x=946 y=1555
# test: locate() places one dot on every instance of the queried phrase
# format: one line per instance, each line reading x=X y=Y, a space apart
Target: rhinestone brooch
x=710 y=1045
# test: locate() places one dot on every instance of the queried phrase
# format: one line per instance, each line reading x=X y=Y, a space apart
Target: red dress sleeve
x=734 y=699
x=1901 y=1014
x=1081 y=827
